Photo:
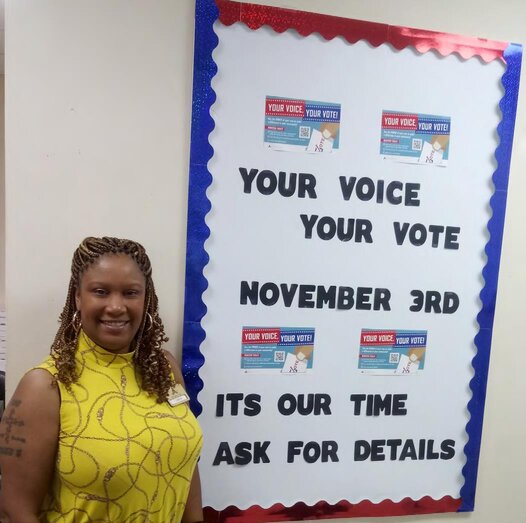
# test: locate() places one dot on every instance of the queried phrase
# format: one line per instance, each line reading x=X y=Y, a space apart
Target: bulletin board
x=347 y=196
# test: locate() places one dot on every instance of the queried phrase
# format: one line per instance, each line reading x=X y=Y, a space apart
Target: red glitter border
x=323 y=510
x=254 y=16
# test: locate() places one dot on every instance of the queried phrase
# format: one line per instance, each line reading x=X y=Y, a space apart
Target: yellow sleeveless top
x=122 y=457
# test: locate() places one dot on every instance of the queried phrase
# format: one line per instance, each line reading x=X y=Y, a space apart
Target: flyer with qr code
x=415 y=138
x=285 y=350
x=301 y=125
x=392 y=352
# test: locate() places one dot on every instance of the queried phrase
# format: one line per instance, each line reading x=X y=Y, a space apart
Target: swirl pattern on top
x=122 y=456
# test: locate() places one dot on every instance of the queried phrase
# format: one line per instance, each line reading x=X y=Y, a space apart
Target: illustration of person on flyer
x=410 y=363
x=322 y=141
x=433 y=151
x=296 y=362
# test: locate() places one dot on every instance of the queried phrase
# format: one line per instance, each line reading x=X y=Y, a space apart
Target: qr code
x=304 y=131
x=279 y=355
x=417 y=144
x=394 y=357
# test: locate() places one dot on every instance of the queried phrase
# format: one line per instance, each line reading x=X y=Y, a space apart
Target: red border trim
x=322 y=510
x=305 y=23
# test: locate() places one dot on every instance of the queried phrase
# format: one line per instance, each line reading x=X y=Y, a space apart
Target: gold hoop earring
x=76 y=322
x=148 y=317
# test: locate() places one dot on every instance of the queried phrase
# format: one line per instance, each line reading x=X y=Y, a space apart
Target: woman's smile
x=115 y=325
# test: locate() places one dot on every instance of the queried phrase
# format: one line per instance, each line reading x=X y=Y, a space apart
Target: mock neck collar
x=86 y=347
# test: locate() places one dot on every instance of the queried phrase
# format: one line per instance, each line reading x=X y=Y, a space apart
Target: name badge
x=177 y=395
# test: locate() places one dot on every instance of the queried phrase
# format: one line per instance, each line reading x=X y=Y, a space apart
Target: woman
x=101 y=431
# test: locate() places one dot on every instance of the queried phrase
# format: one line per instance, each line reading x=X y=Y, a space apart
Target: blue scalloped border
x=488 y=295
x=205 y=41
x=198 y=206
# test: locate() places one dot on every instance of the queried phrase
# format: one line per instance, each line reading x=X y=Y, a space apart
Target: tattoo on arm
x=10 y=451
x=12 y=427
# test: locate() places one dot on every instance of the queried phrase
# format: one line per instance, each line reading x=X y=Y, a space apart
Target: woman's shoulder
x=40 y=379
x=38 y=385
x=48 y=364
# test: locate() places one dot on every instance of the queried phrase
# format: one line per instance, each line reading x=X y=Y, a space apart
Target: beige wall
x=2 y=192
x=98 y=100
x=97 y=114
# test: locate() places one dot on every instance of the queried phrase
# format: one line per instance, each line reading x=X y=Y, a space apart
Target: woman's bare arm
x=28 y=445
x=193 y=511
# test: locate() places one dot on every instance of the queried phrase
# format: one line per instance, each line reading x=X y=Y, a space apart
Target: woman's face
x=110 y=300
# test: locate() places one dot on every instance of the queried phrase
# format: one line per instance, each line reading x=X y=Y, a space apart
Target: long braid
x=150 y=362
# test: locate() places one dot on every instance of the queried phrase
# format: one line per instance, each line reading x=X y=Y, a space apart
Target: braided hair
x=150 y=362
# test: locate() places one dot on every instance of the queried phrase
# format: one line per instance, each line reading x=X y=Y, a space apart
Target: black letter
x=430 y=454
x=234 y=398
x=248 y=178
x=393 y=444
x=274 y=296
x=347 y=186
x=448 y=449
x=399 y=404
x=408 y=451
x=219 y=405
x=345 y=298
x=435 y=230
x=400 y=232
x=249 y=292
x=308 y=223
x=381 y=299
x=377 y=450
x=252 y=406
x=451 y=303
x=243 y=455
x=363 y=231
x=260 y=452
x=322 y=233
x=411 y=192
x=418 y=301
x=329 y=450
x=293 y=450
x=391 y=188
x=305 y=297
x=283 y=190
x=272 y=182
x=451 y=241
x=288 y=293
x=323 y=404
x=382 y=404
x=357 y=400
x=418 y=228
x=223 y=454
x=307 y=185
x=362 y=449
x=287 y=411
x=326 y=296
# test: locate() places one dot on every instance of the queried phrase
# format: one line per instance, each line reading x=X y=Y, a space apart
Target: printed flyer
x=277 y=349
x=392 y=352
x=301 y=125
x=415 y=138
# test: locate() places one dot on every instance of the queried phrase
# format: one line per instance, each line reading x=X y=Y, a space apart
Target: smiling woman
x=101 y=431
x=110 y=301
